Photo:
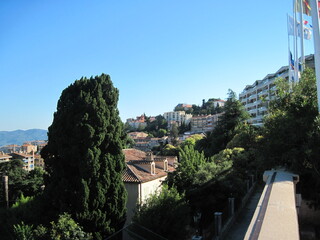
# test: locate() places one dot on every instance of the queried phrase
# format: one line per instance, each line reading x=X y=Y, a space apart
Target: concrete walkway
x=239 y=229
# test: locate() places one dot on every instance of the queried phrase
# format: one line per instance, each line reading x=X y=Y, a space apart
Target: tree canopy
x=291 y=135
x=217 y=140
x=84 y=157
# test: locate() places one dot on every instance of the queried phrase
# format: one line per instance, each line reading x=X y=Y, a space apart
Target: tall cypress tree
x=233 y=115
x=84 y=156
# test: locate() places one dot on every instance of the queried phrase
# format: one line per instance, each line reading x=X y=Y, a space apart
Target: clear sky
x=158 y=52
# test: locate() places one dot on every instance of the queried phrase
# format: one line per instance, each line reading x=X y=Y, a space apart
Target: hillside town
x=185 y=150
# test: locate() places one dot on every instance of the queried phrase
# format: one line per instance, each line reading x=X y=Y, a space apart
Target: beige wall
x=151 y=187
x=137 y=192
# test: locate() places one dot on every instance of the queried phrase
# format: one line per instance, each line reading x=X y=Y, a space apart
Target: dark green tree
x=157 y=127
x=84 y=157
x=174 y=134
x=166 y=214
x=184 y=127
x=170 y=150
x=17 y=178
x=217 y=140
x=34 y=182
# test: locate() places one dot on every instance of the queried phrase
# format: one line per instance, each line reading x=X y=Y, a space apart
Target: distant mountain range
x=20 y=136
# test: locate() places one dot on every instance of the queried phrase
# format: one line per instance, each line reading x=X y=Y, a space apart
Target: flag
x=291 y=67
x=305 y=6
x=291 y=62
x=290 y=25
x=306 y=31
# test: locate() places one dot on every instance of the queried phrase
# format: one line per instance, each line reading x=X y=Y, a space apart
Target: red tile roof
x=137 y=170
x=129 y=176
x=133 y=154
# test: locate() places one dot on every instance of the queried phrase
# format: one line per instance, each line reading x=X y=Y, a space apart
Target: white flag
x=306 y=31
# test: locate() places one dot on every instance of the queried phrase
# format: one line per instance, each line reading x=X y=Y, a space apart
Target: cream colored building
x=29 y=148
x=177 y=117
x=26 y=158
x=38 y=161
x=143 y=176
x=204 y=123
x=4 y=157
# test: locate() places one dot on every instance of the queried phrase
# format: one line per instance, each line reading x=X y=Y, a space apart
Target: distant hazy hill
x=20 y=136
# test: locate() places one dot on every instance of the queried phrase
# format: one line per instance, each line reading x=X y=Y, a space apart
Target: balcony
x=254 y=110
x=253 y=96
x=251 y=104
x=263 y=92
x=262 y=109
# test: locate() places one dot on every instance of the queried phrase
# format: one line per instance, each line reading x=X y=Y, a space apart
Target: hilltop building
x=139 y=122
x=217 y=102
x=145 y=143
x=177 y=117
x=183 y=107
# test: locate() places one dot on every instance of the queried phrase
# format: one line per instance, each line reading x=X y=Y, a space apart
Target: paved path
x=239 y=229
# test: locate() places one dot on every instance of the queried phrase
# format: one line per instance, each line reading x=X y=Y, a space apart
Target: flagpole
x=295 y=41
x=301 y=37
x=289 y=52
x=316 y=42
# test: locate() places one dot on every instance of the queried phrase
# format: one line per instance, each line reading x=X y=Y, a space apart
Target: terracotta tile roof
x=137 y=134
x=134 y=174
x=138 y=168
x=129 y=176
x=133 y=154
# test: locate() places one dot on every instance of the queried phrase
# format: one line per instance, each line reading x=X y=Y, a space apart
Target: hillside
x=20 y=136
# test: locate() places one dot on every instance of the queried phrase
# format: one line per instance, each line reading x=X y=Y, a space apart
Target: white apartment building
x=219 y=103
x=177 y=117
x=256 y=97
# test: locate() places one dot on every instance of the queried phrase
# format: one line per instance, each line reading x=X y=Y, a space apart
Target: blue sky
x=158 y=52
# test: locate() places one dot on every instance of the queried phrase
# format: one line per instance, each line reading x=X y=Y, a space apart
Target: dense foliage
x=20 y=180
x=166 y=214
x=84 y=162
x=207 y=107
x=291 y=135
x=84 y=157
x=217 y=140
x=190 y=161
x=155 y=127
x=64 y=229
